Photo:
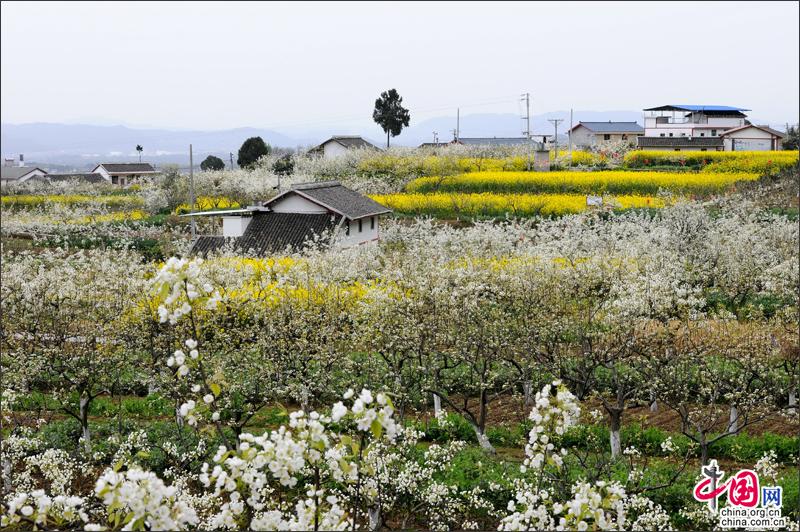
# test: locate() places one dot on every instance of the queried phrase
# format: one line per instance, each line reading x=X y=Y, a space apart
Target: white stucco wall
x=333 y=149
x=102 y=171
x=750 y=139
x=296 y=203
x=235 y=225
x=581 y=136
x=355 y=238
x=34 y=173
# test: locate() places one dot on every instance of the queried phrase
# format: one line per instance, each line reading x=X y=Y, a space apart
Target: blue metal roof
x=696 y=108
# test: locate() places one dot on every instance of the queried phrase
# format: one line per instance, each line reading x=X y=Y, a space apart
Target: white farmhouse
x=337 y=215
x=586 y=134
x=19 y=174
x=339 y=145
x=123 y=173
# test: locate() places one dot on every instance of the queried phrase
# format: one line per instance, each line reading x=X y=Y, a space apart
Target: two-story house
x=689 y=127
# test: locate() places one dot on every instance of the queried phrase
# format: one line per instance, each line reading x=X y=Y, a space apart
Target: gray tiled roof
x=127 y=167
x=493 y=141
x=15 y=172
x=269 y=233
x=679 y=142
x=332 y=195
x=612 y=127
x=348 y=141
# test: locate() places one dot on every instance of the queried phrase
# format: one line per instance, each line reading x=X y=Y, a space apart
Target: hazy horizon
x=287 y=67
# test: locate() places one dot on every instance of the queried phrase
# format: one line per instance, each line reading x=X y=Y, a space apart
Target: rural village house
x=705 y=128
x=586 y=134
x=326 y=210
x=338 y=145
x=123 y=173
x=19 y=174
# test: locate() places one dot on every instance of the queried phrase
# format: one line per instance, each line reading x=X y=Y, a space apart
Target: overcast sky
x=222 y=65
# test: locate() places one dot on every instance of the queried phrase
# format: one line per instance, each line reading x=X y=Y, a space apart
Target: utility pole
x=435 y=138
x=570 y=137
x=231 y=153
x=458 y=123
x=191 y=191
x=527 y=118
x=555 y=122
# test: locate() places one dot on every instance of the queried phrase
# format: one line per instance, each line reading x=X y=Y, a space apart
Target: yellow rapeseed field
x=207 y=203
x=603 y=182
x=36 y=200
x=761 y=162
x=446 y=205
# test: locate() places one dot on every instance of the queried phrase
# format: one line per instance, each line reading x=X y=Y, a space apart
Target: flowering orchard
x=570 y=372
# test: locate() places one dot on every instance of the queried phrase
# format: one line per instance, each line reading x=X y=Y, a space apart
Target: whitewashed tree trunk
x=83 y=411
x=305 y=397
x=375 y=519
x=615 y=439
x=7 y=480
x=178 y=416
x=793 y=401
x=616 y=444
x=733 y=425
x=483 y=441
x=437 y=405
x=653 y=403
x=151 y=388
x=527 y=391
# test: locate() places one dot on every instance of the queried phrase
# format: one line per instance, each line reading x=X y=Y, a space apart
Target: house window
x=713 y=132
x=702 y=134
x=663 y=135
x=670 y=134
x=677 y=149
x=606 y=137
x=359 y=226
x=372 y=222
x=624 y=137
x=347 y=229
x=703 y=149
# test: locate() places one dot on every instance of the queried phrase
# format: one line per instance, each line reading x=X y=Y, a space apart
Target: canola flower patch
x=761 y=162
x=208 y=203
x=37 y=200
x=603 y=182
x=444 y=205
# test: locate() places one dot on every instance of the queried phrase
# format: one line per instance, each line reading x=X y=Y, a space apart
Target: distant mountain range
x=82 y=146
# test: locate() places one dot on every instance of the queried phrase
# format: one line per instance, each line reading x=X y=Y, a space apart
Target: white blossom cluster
x=555 y=410
x=139 y=499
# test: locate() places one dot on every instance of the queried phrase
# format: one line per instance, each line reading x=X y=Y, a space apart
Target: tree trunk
x=792 y=401
x=375 y=519
x=178 y=416
x=527 y=391
x=437 y=405
x=483 y=441
x=387 y=140
x=7 y=478
x=703 y=451
x=653 y=402
x=616 y=441
x=83 y=411
x=305 y=400
x=733 y=425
